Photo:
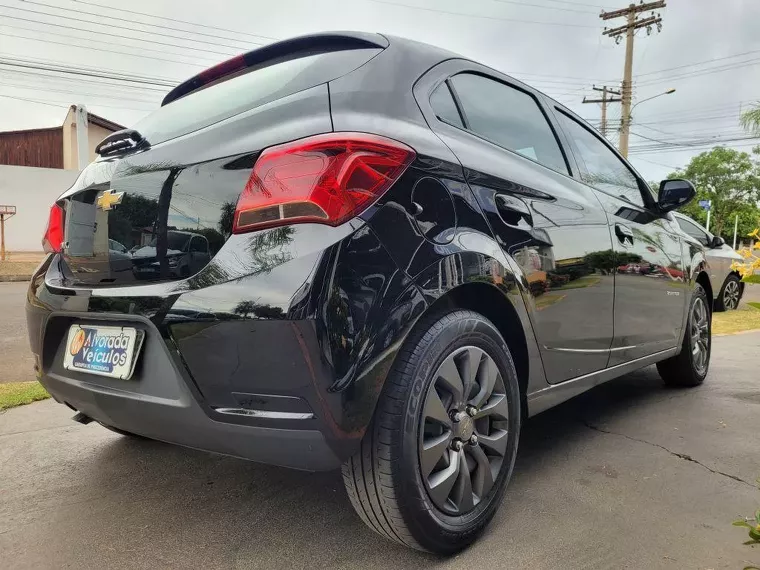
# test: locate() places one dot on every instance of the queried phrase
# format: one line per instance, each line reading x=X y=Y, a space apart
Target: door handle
x=624 y=234
x=512 y=210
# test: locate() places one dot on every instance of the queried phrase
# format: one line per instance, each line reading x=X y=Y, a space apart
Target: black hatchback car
x=409 y=254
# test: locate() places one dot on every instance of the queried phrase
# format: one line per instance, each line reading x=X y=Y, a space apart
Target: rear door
x=650 y=286
x=551 y=226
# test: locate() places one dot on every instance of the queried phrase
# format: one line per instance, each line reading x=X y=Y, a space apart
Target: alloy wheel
x=731 y=295
x=700 y=336
x=464 y=430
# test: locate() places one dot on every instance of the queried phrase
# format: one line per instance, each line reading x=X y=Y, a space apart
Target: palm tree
x=751 y=119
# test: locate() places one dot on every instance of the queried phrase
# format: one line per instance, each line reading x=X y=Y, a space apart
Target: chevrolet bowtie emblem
x=108 y=199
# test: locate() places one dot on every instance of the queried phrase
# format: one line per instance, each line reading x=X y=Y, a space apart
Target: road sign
x=705 y=204
x=8 y=210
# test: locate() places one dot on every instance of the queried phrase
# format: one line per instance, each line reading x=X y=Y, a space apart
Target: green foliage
x=226 y=218
x=19 y=393
x=751 y=119
x=731 y=180
x=134 y=213
x=753 y=524
x=215 y=239
x=607 y=260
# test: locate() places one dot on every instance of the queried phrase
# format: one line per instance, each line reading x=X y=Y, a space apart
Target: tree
x=730 y=179
x=226 y=218
x=751 y=119
x=244 y=308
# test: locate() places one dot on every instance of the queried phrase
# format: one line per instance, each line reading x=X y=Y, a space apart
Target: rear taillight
x=53 y=238
x=326 y=179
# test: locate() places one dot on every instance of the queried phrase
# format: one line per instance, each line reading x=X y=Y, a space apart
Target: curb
x=750 y=331
x=14 y=278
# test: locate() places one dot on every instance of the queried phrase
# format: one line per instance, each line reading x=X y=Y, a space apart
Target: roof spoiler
x=274 y=53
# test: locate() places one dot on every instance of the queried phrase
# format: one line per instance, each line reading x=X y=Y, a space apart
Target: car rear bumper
x=161 y=401
x=180 y=420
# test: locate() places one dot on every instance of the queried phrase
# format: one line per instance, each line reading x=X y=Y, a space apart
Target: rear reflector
x=53 y=238
x=325 y=179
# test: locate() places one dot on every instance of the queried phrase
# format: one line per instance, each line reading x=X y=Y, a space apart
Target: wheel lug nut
x=471 y=411
x=457 y=445
x=473 y=439
x=457 y=416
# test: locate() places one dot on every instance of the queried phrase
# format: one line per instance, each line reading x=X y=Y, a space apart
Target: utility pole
x=5 y=213
x=604 y=100
x=633 y=23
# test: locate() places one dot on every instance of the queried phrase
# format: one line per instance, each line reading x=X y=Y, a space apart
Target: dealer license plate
x=107 y=351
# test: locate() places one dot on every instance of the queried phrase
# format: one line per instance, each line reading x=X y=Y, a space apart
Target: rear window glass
x=248 y=91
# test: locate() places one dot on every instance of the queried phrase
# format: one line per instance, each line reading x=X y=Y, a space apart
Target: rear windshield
x=247 y=91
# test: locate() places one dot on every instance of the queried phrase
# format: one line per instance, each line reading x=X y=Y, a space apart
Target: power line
x=34 y=101
x=699 y=73
x=576 y=3
x=79 y=93
x=544 y=6
x=111 y=35
x=482 y=16
x=180 y=21
x=91 y=72
x=698 y=63
x=99 y=83
x=53 y=103
x=140 y=23
x=658 y=163
x=666 y=147
x=69 y=44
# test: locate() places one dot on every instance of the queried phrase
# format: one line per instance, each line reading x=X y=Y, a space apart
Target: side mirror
x=717 y=242
x=674 y=194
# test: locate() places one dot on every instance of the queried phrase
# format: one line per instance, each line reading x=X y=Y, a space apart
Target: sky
x=708 y=51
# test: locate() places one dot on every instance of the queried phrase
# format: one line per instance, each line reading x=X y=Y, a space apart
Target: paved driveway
x=16 y=362
x=630 y=475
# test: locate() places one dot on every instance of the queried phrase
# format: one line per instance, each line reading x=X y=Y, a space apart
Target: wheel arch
x=486 y=299
x=704 y=280
x=490 y=287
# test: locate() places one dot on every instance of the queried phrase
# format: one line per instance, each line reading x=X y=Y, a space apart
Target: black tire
x=122 y=432
x=684 y=369
x=730 y=294
x=384 y=479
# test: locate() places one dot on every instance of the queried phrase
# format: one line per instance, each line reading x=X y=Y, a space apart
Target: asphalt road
x=629 y=475
x=16 y=362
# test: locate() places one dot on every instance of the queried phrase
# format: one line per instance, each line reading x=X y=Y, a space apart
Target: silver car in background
x=727 y=286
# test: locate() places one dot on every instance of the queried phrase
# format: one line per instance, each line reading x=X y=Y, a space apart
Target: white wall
x=32 y=191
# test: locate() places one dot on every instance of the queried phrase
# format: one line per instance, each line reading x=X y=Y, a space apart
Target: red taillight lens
x=326 y=179
x=53 y=238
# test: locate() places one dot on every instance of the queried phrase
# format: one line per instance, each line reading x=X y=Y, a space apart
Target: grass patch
x=745 y=319
x=754 y=304
x=547 y=300
x=19 y=393
x=17 y=267
x=581 y=282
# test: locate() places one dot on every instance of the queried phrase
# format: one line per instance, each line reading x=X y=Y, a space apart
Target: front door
x=650 y=286
x=550 y=225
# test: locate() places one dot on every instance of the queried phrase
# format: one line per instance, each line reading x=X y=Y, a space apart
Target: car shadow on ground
x=242 y=510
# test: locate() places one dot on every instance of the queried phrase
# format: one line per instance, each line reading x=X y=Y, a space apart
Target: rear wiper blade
x=121 y=141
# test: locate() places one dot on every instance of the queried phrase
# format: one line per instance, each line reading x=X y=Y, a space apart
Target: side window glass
x=509 y=118
x=444 y=106
x=694 y=231
x=603 y=169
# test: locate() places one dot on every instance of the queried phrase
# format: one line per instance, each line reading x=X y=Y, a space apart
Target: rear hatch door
x=159 y=203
